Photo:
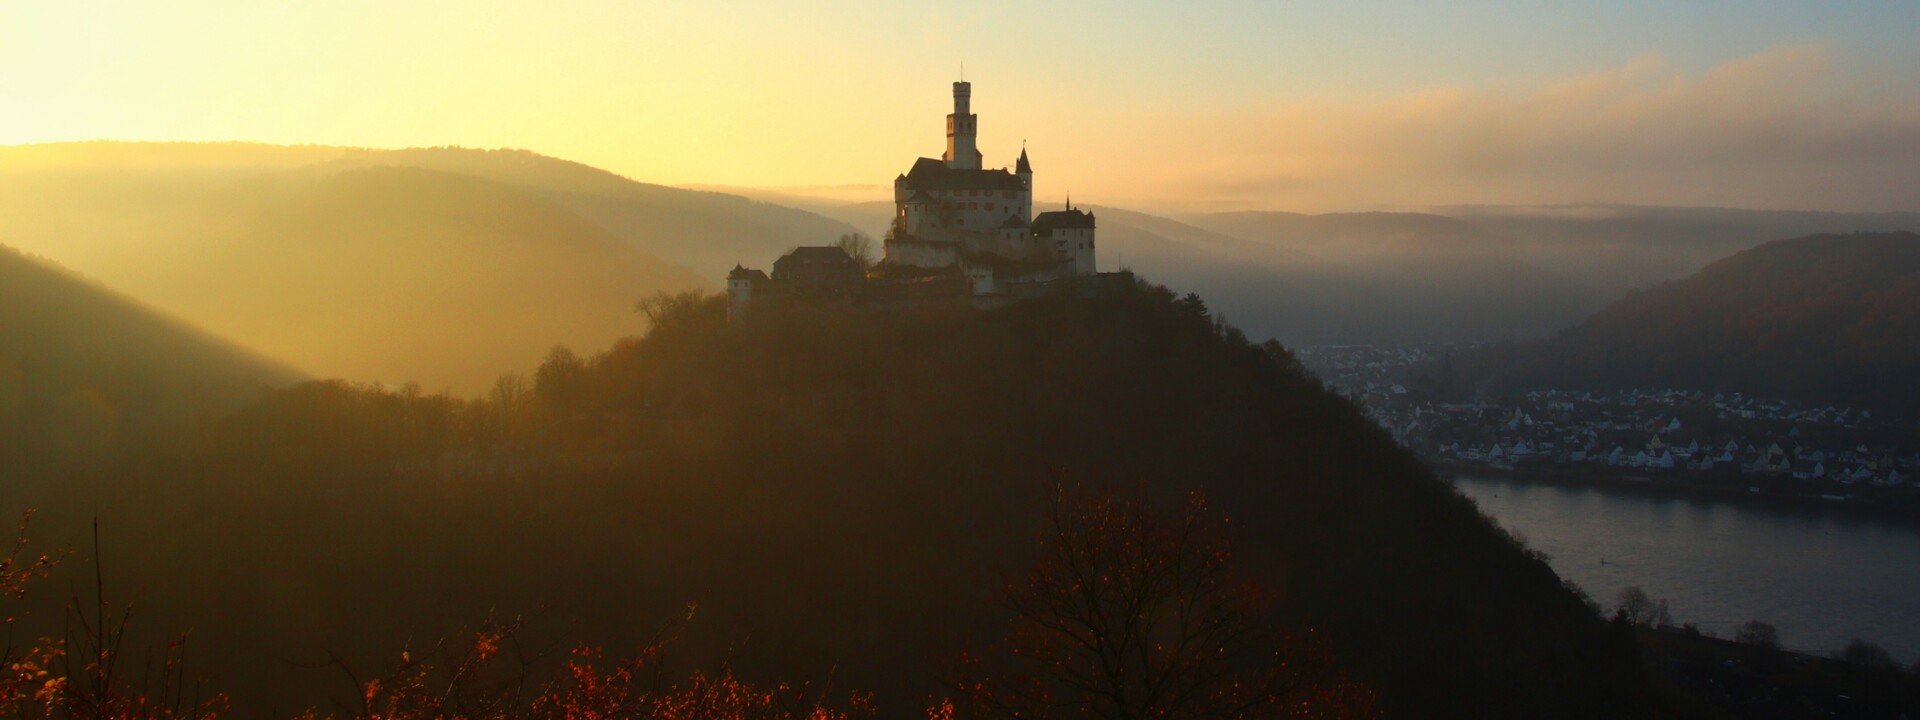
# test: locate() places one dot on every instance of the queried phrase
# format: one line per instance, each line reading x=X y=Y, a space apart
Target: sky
x=1286 y=105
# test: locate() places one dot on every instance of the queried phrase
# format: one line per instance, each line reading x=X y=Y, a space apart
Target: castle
x=951 y=212
x=958 y=231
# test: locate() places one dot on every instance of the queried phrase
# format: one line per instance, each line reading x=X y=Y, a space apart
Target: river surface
x=1820 y=579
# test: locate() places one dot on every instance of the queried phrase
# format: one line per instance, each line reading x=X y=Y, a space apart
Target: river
x=1820 y=579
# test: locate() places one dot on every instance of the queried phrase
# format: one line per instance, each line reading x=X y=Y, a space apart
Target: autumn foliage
x=486 y=676
x=1125 y=615
x=490 y=676
x=1129 y=615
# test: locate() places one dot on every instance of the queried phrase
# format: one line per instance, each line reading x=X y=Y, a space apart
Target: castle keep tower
x=962 y=128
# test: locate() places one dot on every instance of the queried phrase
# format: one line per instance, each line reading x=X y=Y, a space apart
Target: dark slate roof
x=1023 y=166
x=1048 y=222
x=817 y=254
x=919 y=196
x=931 y=174
x=741 y=273
x=1014 y=222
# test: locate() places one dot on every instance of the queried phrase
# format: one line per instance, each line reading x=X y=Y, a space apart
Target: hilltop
x=1823 y=319
x=842 y=494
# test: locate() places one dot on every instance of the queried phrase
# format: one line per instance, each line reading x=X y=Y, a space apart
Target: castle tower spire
x=962 y=152
x=1024 y=170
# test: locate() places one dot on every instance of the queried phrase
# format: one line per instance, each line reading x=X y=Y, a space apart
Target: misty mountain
x=1824 y=319
x=708 y=232
x=1395 y=277
x=1272 y=292
x=1457 y=274
x=1334 y=279
x=1621 y=247
x=85 y=371
x=342 y=262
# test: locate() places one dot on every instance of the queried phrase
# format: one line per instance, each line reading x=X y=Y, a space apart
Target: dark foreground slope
x=83 y=370
x=843 y=494
x=1824 y=319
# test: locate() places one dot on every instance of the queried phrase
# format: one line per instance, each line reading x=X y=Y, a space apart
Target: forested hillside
x=1824 y=319
x=842 y=494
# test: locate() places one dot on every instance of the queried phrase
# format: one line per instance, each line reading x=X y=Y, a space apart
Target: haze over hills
x=466 y=264
x=1823 y=319
x=1400 y=277
x=84 y=372
x=203 y=230
x=708 y=232
x=1457 y=274
x=1621 y=247
x=1830 y=319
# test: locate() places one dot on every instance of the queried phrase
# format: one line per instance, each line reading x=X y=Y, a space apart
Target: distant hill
x=1301 y=278
x=1621 y=247
x=143 y=216
x=136 y=214
x=1825 y=319
x=1458 y=273
x=442 y=266
x=1400 y=277
x=706 y=231
x=83 y=370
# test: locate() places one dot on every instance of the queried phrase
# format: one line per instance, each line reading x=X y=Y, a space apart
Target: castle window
x=989 y=206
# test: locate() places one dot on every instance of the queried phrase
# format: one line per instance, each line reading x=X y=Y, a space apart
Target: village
x=1671 y=438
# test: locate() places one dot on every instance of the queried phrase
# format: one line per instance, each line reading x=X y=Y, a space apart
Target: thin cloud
x=1766 y=130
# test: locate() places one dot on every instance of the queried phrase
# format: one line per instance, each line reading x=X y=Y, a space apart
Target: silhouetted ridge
x=844 y=489
x=84 y=371
x=1824 y=319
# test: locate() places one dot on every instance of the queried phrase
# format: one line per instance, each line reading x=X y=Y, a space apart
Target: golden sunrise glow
x=1215 y=107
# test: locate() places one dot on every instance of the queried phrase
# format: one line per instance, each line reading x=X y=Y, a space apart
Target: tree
x=1861 y=652
x=1758 y=634
x=82 y=675
x=560 y=385
x=1127 y=615
x=669 y=312
x=1635 y=607
x=859 y=247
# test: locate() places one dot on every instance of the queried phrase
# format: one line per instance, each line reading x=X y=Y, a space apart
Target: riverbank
x=1766 y=493
x=1757 y=681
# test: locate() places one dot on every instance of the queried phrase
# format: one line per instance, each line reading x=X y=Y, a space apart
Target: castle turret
x=962 y=126
x=1024 y=170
